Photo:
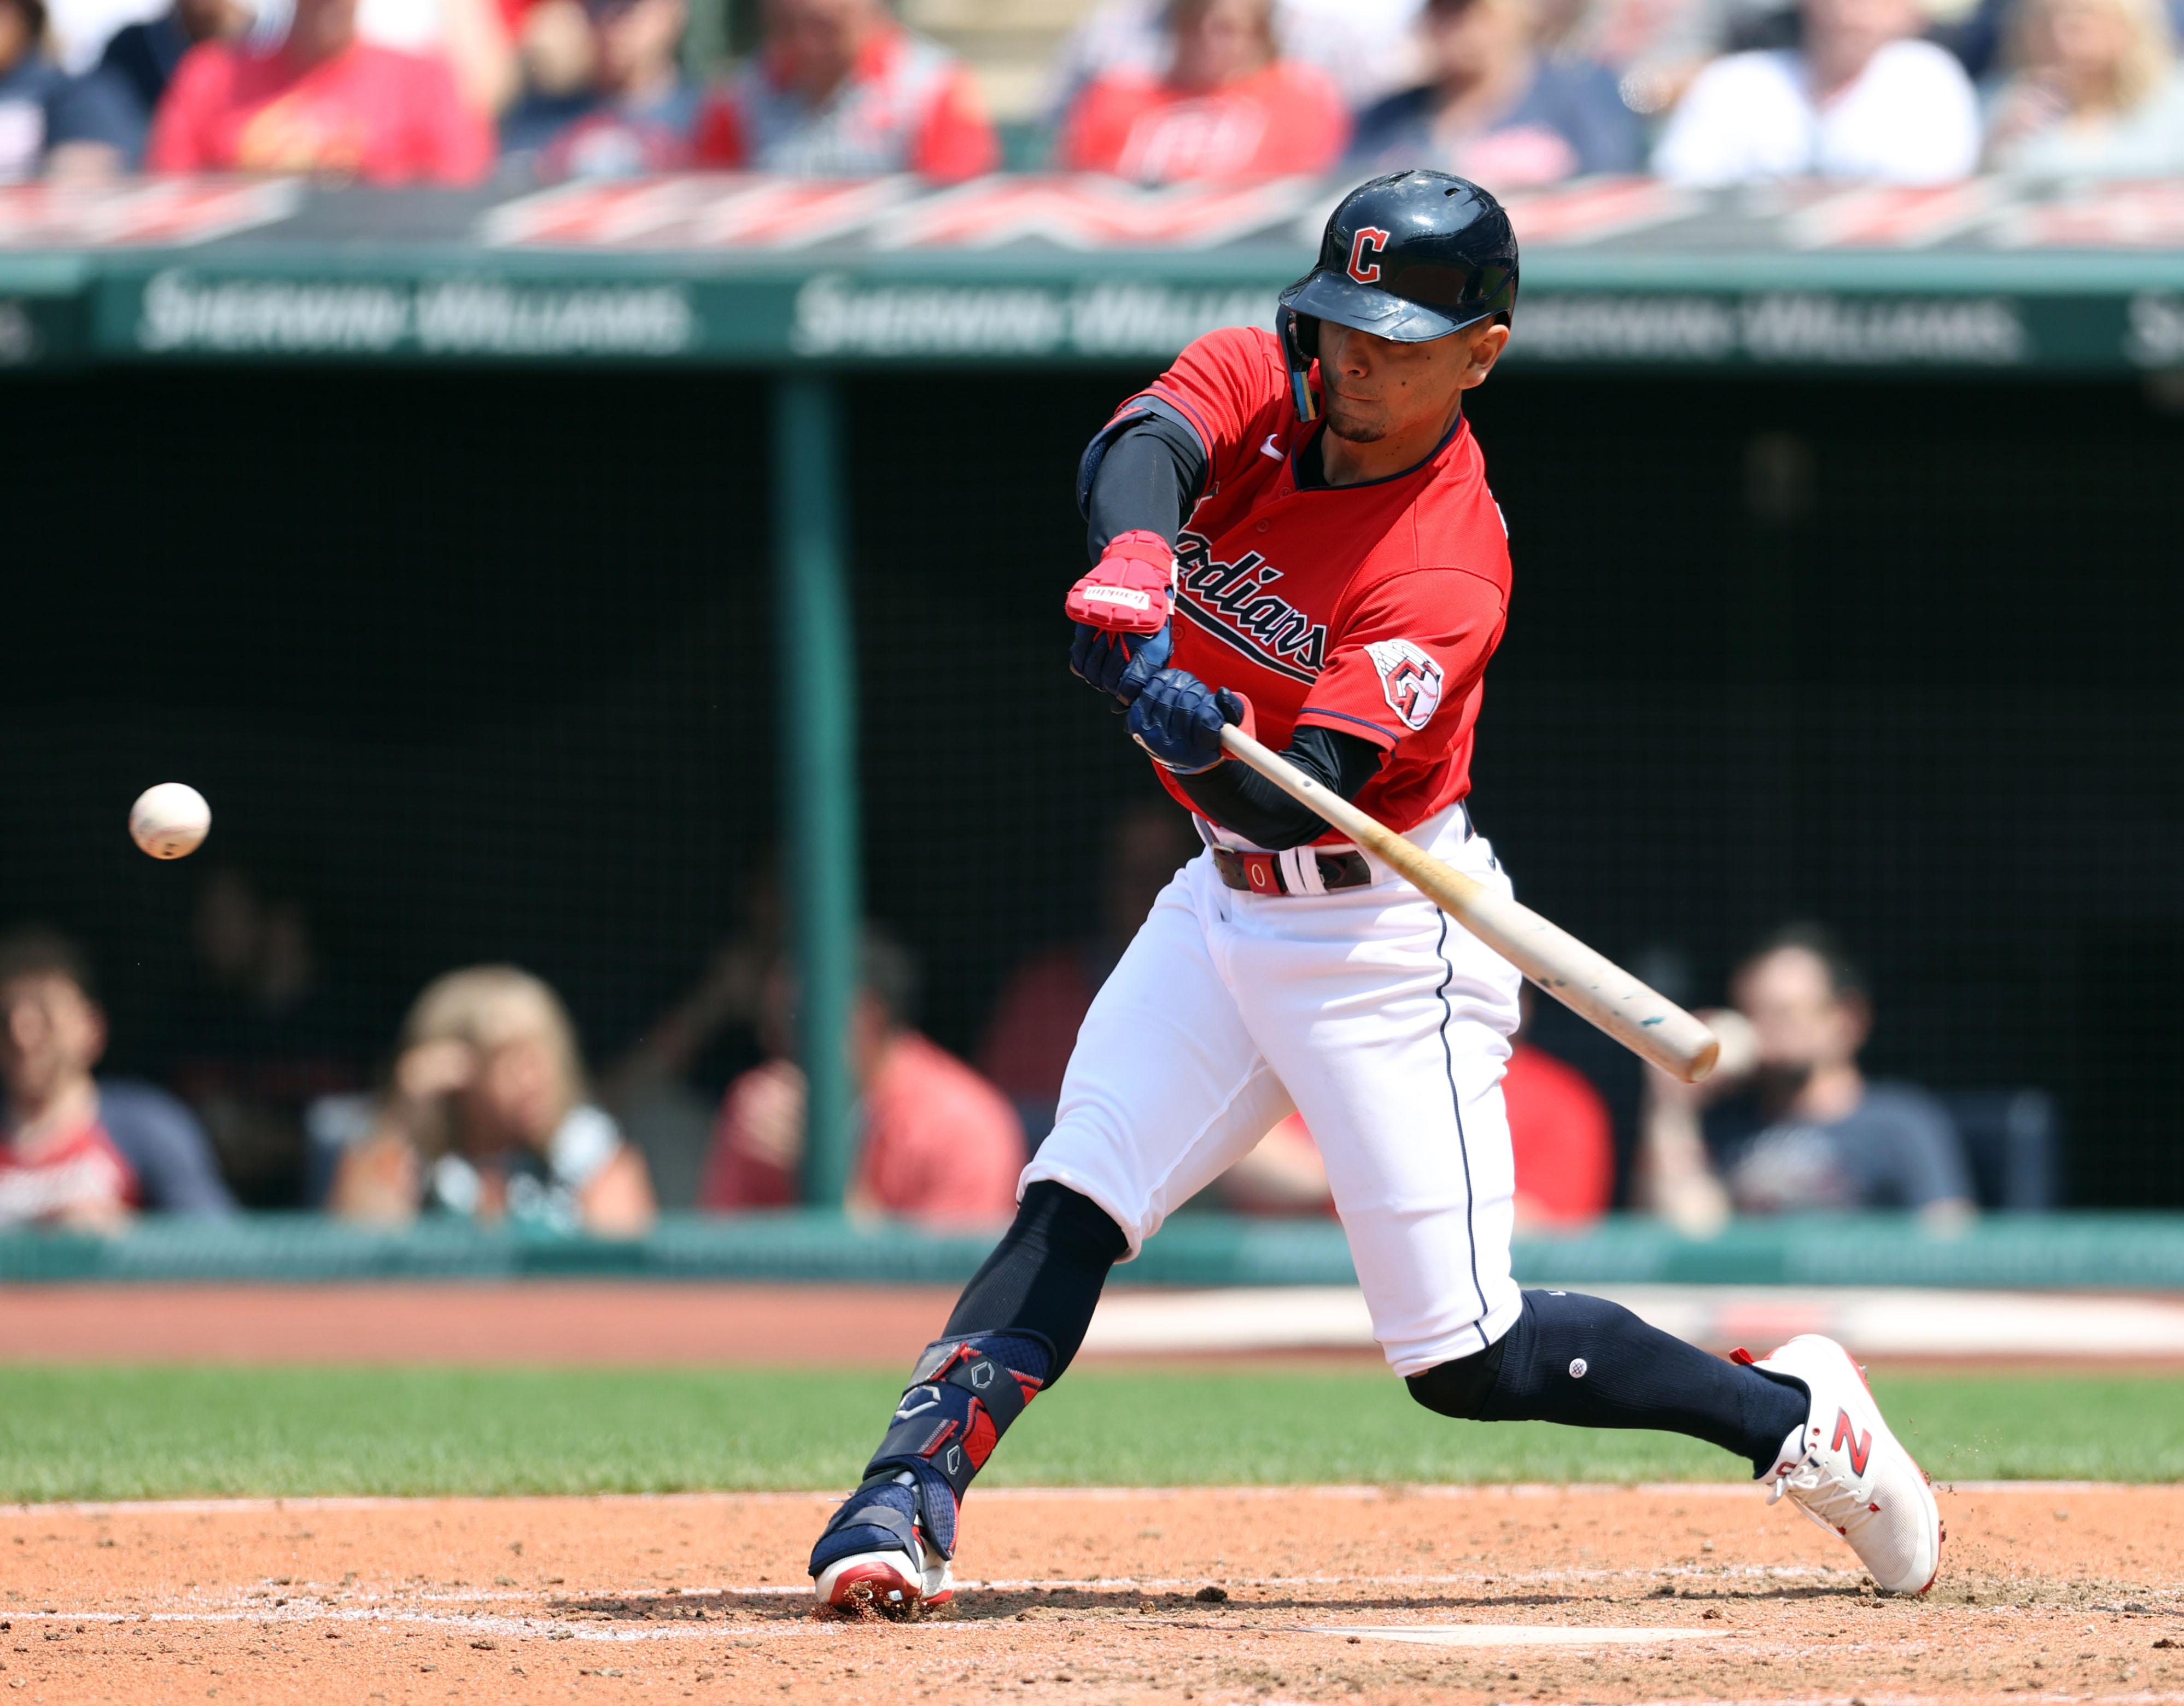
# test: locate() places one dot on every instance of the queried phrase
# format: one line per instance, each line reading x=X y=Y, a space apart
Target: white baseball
x=169 y=820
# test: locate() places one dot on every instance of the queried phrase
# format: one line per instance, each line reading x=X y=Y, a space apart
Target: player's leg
x=1803 y=1416
x=1013 y=1331
x=1164 y=1091
x=1394 y=1053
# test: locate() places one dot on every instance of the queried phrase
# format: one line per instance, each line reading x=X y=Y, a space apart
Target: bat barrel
x=1593 y=986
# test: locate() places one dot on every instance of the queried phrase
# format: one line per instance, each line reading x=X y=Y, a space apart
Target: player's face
x=1375 y=388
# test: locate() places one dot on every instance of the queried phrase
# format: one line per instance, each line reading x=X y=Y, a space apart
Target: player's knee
x=1459 y=1388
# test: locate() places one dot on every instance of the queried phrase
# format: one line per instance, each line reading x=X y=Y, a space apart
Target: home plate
x=1515 y=1633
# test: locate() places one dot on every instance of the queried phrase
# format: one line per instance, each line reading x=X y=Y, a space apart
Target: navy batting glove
x=1178 y=719
x=1119 y=664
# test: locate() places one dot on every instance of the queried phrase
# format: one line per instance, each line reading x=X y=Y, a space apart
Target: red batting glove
x=1131 y=586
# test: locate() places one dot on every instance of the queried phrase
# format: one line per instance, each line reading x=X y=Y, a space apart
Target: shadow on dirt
x=698 y=1607
x=980 y=1606
x=1242 y=1608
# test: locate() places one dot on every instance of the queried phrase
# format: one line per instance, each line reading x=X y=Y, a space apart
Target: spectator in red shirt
x=938 y=1145
x=1563 y=1138
x=1230 y=106
x=321 y=101
x=839 y=89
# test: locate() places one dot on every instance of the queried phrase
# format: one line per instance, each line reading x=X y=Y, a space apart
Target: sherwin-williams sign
x=749 y=270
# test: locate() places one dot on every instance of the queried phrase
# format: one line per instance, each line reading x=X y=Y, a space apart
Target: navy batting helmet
x=1412 y=256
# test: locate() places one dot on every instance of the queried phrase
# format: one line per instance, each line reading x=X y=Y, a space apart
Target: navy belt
x=1261 y=873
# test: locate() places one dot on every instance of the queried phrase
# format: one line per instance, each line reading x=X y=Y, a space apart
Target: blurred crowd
x=1515 y=93
x=483 y=1107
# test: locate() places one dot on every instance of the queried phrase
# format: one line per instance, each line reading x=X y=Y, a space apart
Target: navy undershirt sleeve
x=1237 y=797
x=1145 y=470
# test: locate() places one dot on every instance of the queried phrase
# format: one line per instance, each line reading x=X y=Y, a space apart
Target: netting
x=479 y=666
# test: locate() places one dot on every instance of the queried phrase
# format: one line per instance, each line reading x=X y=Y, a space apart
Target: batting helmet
x=1412 y=256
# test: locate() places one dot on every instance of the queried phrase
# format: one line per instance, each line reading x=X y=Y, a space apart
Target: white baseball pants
x=1370 y=1011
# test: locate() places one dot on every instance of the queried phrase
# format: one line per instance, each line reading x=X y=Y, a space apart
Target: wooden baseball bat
x=1588 y=984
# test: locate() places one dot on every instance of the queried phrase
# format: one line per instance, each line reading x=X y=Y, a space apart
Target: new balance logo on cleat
x=1861 y=1446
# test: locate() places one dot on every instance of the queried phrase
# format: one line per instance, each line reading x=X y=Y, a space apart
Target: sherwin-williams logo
x=1231 y=601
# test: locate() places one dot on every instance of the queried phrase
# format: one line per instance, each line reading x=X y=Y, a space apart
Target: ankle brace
x=961 y=1398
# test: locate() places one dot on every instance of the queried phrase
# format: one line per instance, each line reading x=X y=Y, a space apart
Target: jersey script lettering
x=1231 y=601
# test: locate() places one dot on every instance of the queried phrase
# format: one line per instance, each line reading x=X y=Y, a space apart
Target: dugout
x=480 y=645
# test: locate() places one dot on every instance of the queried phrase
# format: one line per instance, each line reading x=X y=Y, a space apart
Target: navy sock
x=1045 y=1274
x=1590 y=1363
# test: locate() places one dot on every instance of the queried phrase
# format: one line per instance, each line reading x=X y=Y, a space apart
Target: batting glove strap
x=1130 y=589
x=961 y=1398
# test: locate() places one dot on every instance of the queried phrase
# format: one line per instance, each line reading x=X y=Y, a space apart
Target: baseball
x=169 y=820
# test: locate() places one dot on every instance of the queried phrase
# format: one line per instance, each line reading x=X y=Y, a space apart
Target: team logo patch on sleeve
x=1409 y=677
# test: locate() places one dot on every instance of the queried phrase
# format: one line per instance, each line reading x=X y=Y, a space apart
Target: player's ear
x=1482 y=349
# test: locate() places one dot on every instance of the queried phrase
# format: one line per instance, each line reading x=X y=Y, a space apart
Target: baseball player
x=1293 y=533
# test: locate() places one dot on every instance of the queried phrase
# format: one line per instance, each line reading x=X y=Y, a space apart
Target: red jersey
x=1369 y=608
x=387 y=117
x=1286 y=117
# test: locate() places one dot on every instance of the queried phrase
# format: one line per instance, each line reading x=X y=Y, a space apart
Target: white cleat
x=1846 y=1471
x=887 y=1582
x=897 y=1581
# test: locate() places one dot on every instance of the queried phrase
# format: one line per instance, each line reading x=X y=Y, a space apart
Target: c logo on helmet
x=1366 y=249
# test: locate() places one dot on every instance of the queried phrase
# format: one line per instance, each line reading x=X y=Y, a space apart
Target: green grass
x=101 y=1433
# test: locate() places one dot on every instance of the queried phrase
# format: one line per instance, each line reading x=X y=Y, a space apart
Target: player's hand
x=1121 y=609
x=1118 y=663
x=1178 y=719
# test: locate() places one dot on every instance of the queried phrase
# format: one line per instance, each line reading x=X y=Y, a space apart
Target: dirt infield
x=2058 y=1593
